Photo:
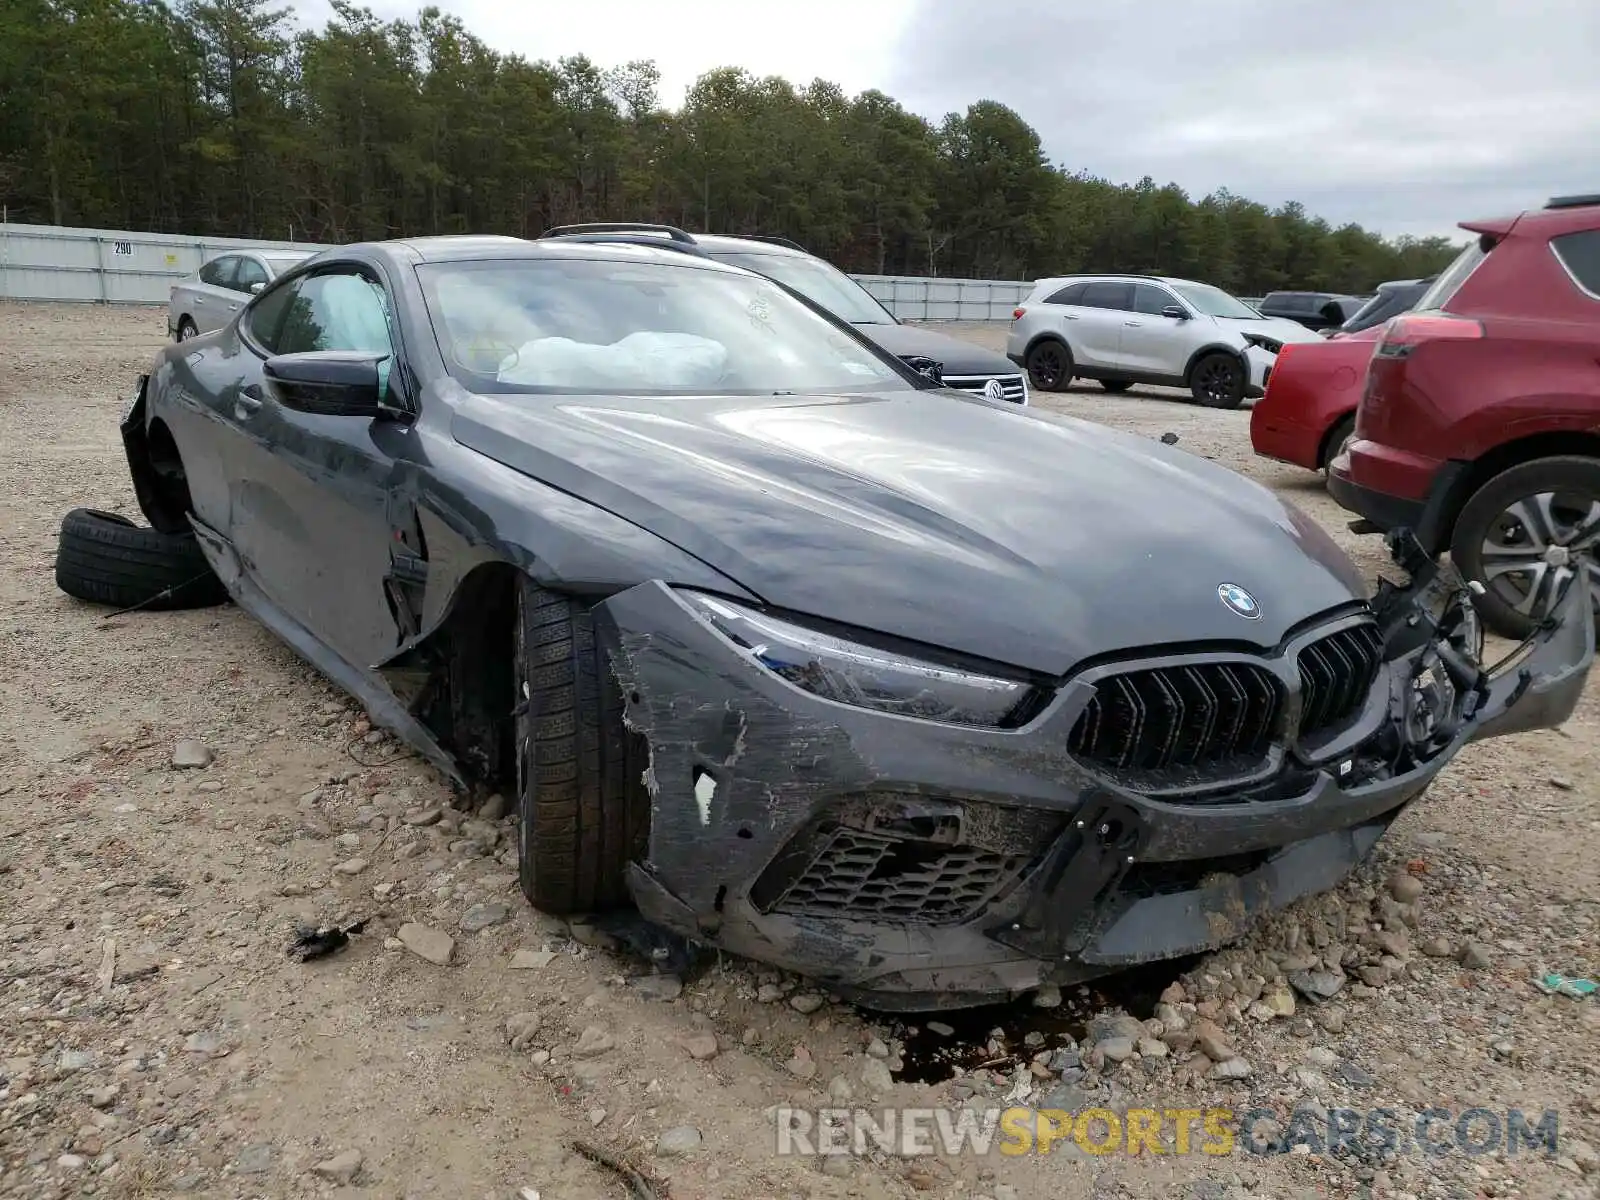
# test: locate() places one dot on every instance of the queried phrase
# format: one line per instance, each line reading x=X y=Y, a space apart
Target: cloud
x=1406 y=116
x=685 y=39
x=1403 y=116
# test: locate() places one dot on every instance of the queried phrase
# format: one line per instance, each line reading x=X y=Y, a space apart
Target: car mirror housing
x=340 y=383
x=257 y=286
x=1176 y=313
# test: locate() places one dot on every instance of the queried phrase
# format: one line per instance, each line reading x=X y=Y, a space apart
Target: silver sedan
x=208 y=299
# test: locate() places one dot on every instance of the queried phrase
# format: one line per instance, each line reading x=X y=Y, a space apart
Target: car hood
x=956 y=356
x=1019 y=537
x=1279 y=328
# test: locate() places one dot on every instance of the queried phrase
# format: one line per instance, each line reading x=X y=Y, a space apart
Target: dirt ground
x=156 y=1039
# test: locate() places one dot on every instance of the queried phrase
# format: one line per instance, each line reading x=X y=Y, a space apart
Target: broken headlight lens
x=864 y=676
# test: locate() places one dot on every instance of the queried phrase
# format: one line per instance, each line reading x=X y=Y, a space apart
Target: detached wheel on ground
x=1217 y=381
x=107 y=559
x=584 y=813
x=1527 y=535
x=186 y=329
x=1115 y=386
x=1050 y=367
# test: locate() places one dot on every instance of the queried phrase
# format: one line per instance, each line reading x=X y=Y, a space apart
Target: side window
x=266 y=315
x=1149 y=299
x=1108 y=295
x=1071 y=294
x=219 y=271
x=249 y=274
x=337 y=310
x=1580 y=254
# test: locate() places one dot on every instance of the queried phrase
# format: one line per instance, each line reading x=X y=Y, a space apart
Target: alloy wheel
x=1539 y=543
x=1045 y=365
x=1218 y=380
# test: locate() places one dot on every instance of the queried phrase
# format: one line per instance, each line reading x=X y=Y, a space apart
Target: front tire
x=584 y=812
x=1217 y=381
x=1050 y=367
x=1526 y=535
x=186 y=329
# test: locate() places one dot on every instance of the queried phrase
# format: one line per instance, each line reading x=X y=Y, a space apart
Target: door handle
x=1070 y=316
x=1134 y=324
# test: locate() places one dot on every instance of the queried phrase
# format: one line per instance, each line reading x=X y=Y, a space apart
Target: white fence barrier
x=110 y=266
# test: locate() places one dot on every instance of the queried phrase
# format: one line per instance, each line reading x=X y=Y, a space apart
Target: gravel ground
x=156 y=1040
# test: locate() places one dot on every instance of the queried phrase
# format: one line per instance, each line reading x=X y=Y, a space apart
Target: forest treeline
x=223 y=117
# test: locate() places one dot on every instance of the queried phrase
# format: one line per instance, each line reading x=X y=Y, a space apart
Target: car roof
x=478 y=248
x=1117 y=277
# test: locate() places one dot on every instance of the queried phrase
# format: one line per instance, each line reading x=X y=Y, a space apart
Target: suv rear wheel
x=1526 y=535
x=1050 y=367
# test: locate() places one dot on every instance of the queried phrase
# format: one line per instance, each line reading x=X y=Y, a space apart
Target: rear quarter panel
x=191 y=391
x=1314 y=385
x=1460 y=399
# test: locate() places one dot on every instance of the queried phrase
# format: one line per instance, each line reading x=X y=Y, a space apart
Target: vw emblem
x=1238 y=601
x=994 y=390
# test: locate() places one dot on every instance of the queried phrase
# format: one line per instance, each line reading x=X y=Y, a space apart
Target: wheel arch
x=156 y=466
x=1046 y=335
x=1325 y=444
x=1210 y=348
x=1470 y=476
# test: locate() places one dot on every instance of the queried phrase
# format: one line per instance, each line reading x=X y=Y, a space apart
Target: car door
x=215 y=301
x=310 y=513
x=1096 y=330
x=1153 y=343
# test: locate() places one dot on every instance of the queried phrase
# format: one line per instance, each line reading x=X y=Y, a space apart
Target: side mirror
x=923 y=365
x=1176 y=313
x=257 y=286
x=332 y=383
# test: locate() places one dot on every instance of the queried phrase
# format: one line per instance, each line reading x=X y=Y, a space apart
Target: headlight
x=1261 y=342
x=864 y=676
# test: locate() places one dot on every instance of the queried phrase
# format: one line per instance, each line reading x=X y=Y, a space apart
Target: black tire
x=186 y=329
x=1115 y=386
x=1217 y=381
x=107 y=559
x=1050 y=366
x=1341 y=433
x=583 y=811
x=1575 y=483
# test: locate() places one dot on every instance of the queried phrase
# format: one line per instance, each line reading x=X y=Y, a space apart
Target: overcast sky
x=1403 y=115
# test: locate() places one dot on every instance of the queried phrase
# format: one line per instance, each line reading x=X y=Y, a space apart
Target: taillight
x=1016 y=313
x=1406 y=332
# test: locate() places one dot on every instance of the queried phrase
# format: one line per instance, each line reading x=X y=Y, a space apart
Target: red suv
x=1479 y=425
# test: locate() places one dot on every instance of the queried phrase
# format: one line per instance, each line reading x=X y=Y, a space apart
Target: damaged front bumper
x=912 y=865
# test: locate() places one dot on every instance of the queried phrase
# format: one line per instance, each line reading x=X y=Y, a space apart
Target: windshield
x=1453 y=276
x=625 y=328
x=1214 y=302
x=817 y=281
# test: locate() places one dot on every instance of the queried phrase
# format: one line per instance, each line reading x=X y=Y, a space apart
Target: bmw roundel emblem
x=1238 y=601
x=994 y=390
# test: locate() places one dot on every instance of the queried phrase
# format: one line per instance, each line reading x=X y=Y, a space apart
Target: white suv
x=1128 y=329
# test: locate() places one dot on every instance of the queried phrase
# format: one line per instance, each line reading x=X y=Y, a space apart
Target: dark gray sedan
x=936 y=698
